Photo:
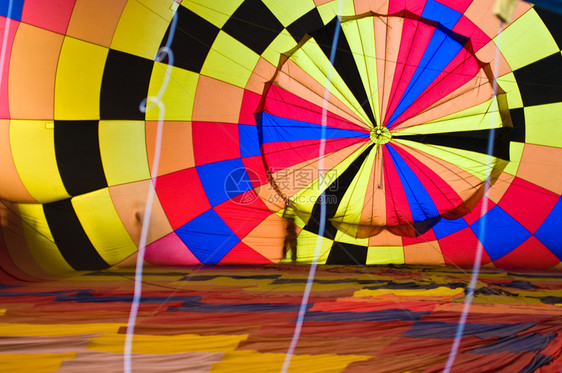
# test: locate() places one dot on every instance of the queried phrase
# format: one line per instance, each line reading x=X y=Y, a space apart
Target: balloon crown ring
x=380 y=135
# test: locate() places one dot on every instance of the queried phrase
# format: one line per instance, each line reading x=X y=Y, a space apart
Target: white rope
x=322 y=223
x=146 y=105
x=483 y=218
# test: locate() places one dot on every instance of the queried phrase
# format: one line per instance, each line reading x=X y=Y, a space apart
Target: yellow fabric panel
x=281 y=44
x=179 y=95
x=509 y=85
x=254 y=361
x=33 y=149
x=288 y=11
x=216 y=12
x=11 y=186
x=385 y=255
x=542 y=124
x=515 y=153
x=306 y=246
x=123 y=151
x=167 y=344
x=479 y=117
x=78 y=82
x=103 y=226
x=306 y=197
x=314 y=62
x=361 y=38
x=472 y=162
x=351 y=205
x=36 y=363
x=330 y=9
x=525 y=41
x=142 y=26
x=440 y=291
x=53 y=330
x=230 y=61
x=40 y=240
x=342 y=237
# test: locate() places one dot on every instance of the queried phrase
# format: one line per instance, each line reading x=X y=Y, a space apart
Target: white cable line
x=146 y=105
x=322 y=224
x=482 y=231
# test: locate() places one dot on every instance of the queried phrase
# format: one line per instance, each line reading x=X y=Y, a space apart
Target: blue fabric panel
x=439 y=53
x=446 y=227
x=224 y=180
x=502 y=233
x=549 y=232
x=277 y=129
x=208 y=237
x=87 y=297
x=438 y=12
x=445 y=330
x=251 y=307
x=539 y=360
x=421 y=204
x=383 y=315
x=516 y=344
x=248 y=139
x=15 y=11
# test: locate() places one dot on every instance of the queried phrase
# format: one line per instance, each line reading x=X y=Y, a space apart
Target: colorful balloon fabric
x=269 y=109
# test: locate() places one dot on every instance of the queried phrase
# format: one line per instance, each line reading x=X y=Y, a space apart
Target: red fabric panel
x=527 y=203
x=182 y=196
x=476 y=212
x=242 y=219
x=242 y=254
x=531 y=254
x=459 y=248
x=281 y=155
x=397 y=206
x=49 y=15
x=414 y=6
x=466 y=27
x=213 y=142
x=250 y=103
x=255 y=166
x=442 y=194
x=415 y=38
x=459 y=71
x=284 y=104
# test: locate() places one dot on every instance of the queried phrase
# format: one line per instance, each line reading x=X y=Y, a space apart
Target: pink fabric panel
x=169 y=250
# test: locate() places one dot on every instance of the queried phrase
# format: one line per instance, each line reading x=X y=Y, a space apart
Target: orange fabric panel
x=481 y=12
x=541 y=165
x=130 y=202
x=217 y=101
x=293 y=79
x=175 y=135
x=95 y=20
x=17 y=250
x=11 y=186
x=474 y=92
x=268 y=236
x=375 y=6
x=263 y=73
x=33 y=65
x=424 y=252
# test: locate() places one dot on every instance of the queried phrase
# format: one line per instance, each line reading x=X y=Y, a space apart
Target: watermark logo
x=239 y=186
